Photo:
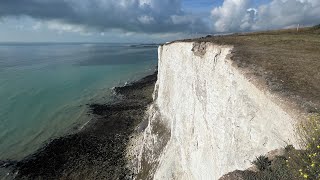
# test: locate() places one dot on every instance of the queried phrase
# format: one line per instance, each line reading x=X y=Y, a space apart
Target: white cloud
x=180 y=19
x=37 y=26
x=146 y=19
x=239 y=15
x=231 y=15
x=61 y=27
x=282 y=13
x=20 y=27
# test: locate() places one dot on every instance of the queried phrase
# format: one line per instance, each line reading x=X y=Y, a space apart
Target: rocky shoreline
x=99 y=150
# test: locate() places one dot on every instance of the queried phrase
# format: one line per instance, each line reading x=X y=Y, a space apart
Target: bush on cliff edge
x=306 y=163
x=294 y=164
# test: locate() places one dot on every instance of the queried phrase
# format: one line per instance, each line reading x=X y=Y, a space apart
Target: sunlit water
x=44 y=88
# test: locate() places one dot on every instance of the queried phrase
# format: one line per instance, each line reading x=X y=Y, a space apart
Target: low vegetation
x=306 y=163
x=294 y=164
x=262 y=163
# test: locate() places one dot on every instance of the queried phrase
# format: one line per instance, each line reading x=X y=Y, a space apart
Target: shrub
x=262 y=163
x=306 y=163
x=277 y=170
x=295 y=164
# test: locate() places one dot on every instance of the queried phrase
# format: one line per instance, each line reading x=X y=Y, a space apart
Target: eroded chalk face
x=219 y=121
x=199 y=49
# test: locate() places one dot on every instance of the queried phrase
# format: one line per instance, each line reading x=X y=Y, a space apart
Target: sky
x=148 y=21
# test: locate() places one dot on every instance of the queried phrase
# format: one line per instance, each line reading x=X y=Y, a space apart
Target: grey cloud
x=145 y=16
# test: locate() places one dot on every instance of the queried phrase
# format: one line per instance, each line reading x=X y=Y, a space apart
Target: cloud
x=141 y=16
x=160 y=16
x=230 y=16
x=146 y=19
x=239 y=15
x=37 y=26
x=57 y=26
x=282 y=13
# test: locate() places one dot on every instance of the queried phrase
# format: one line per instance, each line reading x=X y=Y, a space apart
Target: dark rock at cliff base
x=132 y=89
x=7 y=163
x=98 y=151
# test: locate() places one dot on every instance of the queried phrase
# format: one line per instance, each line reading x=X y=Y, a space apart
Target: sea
x=45 y=87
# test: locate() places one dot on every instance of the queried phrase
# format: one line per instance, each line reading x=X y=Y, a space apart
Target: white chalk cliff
x=217 y=119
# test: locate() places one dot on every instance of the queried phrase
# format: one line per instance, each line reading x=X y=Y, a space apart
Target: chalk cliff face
x=217 y=119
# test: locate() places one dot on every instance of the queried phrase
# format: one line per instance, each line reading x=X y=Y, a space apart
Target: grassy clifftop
x=288 y=61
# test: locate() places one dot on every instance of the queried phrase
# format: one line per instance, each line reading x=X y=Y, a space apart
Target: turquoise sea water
x=44 y=88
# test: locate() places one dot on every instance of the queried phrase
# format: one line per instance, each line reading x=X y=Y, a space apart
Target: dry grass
x=288 y=61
